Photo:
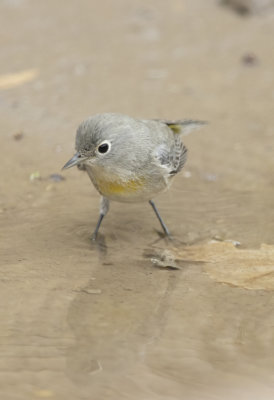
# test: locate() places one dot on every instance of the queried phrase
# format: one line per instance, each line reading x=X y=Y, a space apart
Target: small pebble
x=92 y=291
x=235 y=243
x=165 y=260
x=18 y=136
x=249 y=7
x=88 y=291
x=56 y=178
x=218 y=238
x=35 y=176
x=249 y=59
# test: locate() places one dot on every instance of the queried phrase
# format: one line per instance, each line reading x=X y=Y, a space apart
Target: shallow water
x=135 y=316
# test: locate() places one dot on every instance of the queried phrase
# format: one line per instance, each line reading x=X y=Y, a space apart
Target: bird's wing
x=171 y=158
x=183 y=126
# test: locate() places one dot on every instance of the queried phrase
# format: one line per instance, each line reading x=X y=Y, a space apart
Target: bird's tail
x=185 y=126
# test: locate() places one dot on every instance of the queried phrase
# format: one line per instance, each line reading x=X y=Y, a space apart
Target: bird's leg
x=104 y=207
x=159 y=218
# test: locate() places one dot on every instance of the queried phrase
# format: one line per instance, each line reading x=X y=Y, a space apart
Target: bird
x=129 y=159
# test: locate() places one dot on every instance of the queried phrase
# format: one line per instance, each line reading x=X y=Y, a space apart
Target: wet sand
x=111 y=320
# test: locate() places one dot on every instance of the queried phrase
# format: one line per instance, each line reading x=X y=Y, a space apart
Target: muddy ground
x=107 y=320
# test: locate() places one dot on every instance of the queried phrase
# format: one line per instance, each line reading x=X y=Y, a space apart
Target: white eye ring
x=104 y=147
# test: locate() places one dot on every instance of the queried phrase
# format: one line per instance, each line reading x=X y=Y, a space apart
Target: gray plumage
x=129 y=159
x=149 y=148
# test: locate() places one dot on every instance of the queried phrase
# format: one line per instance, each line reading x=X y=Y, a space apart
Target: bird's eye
x=104 y=147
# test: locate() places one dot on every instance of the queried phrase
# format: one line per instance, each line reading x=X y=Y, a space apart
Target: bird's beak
x=76 y=159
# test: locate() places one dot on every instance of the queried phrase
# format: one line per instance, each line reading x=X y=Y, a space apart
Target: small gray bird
x=130 y=160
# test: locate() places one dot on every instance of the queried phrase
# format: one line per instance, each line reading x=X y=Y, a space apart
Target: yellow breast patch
x=116 y=187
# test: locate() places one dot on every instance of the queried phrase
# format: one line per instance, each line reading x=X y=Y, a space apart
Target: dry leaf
x=247 y=268
x=9 y=81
